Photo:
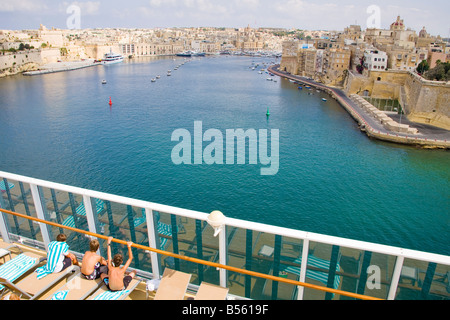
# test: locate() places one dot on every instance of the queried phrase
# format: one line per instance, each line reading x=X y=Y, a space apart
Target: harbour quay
x=376 y=123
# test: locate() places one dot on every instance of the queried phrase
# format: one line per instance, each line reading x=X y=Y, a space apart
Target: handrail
x=199 y=261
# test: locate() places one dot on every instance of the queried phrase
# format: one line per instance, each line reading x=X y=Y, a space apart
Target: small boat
x=103 y=81
x=269 y=79
x=157 y=77
x=153 y=80
x=323 y=99
x=300 y=88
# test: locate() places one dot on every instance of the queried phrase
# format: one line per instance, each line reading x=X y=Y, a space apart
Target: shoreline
x=367 y=123
x=62 y=66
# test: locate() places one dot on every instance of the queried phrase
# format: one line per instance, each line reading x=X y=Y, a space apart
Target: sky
x=299 y=14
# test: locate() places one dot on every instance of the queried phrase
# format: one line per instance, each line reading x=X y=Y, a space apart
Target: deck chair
x=208 y=291
x=17 y=267
x=3 y=186
x=76 y=288
x=5 y=250
x=81 y=210
x=32 y=288
x=173 y=285
x=313 y=261
x=104 y=294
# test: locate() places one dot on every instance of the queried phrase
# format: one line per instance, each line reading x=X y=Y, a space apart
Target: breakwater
x=372 y=126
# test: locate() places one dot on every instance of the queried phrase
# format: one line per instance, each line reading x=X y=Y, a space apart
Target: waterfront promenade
x=428 y=136
x=62 y=66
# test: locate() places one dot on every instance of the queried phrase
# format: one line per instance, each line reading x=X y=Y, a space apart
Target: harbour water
x=332 y=179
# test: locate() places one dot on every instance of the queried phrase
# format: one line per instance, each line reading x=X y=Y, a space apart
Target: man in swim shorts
x=93 y=265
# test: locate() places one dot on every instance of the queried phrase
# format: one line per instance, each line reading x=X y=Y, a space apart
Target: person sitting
x=116 y=279
x=58 y=257
x=93 y=265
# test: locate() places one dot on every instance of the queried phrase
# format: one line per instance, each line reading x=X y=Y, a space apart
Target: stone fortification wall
x=423 y=101
x=428 y=101
x=12 y=63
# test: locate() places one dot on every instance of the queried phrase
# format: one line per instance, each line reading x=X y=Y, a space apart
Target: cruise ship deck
x=251 y=260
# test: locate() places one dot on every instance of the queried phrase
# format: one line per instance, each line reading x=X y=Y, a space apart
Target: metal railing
x=35 y=202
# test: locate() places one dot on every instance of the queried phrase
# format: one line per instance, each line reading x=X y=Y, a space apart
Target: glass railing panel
x=288 y=267
x=379 y=269
x=67 y=209
x=237 y=242
x=324 y=269
x=182 y=236
x=420 y=280
x=127 y=223
x=16 y=196
x=253 y=251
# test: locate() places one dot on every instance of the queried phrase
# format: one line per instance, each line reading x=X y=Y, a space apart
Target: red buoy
x=110 y=102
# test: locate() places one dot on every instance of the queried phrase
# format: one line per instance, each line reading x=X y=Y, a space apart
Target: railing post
x=223 y=256
x=305 y=251
x=396 y=277
x=89 y=214
x=152 y=241
x=40 y=213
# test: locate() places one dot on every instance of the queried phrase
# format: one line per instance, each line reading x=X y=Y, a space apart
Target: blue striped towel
x=16 y=267
x=56 y=249
x=111 y=295
x=69 y=222
x=60 y=295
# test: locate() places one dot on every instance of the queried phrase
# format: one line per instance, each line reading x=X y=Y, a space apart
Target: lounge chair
x=104 y=294
x=81 y=210
x=76 y=288
x=5 y=250
x=173 y=285
x=208 y=291
x=17 y=267
x=99 y=206
x=3 y=185
x=31 y=287
x=313 y=261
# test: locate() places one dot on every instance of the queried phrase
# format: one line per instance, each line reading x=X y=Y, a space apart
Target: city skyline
x=299 y=14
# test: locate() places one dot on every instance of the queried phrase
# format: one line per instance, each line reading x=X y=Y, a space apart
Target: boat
x=111 y=58
x=184 y=54
x=158 y=76
x=103 y=81
x=323 y=99
x=153 y=80
x=190 y=53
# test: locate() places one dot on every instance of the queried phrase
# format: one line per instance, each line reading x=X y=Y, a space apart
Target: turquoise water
x=332 y=179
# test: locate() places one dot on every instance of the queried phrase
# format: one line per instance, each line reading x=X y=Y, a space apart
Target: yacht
x=111 y=58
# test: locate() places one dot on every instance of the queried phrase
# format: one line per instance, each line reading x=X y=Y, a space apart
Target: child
x=116 y=279
x=58 y=257
x=93 y=265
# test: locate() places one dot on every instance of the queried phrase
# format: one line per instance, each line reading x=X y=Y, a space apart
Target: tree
x=423 y=67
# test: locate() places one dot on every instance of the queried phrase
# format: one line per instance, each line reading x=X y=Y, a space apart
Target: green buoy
x=268 y=113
